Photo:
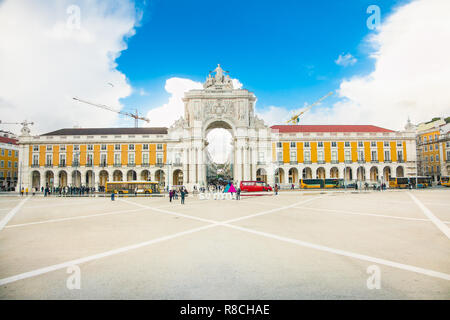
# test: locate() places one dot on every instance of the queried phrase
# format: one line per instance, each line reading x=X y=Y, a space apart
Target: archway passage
x=361 y=174
x=36 y=180
x=62 y=178
x=76 y=179
x=261 y=175
x=219 y=152
x=348 y=174
x=160 y=177
x=279 y=176
x=49 y=179
x=399 y=172
x=307 y=173
x=320 y=173
x=104 y=177
x=90 y=179
x=178 y=177
x=374 y=174
x=293 y=175
x=131 y=175
x=117 y=175
x=145 y=175
x=334 y=172
x=386 y=174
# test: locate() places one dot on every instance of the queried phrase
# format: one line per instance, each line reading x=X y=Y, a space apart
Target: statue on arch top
x=219 y=78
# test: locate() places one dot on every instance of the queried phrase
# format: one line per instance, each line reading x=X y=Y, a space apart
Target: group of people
x=173 y=194
x=61 y=191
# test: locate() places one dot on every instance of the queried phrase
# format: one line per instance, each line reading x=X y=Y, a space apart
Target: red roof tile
x=8 y=140
x=328 y=128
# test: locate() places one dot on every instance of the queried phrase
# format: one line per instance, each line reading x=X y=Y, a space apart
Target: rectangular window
x=279 y=145
x=431 y=147
x=293 y=145
x=145 y=146
x=334 y=155
x=374 y=156
x=399 y=144
x=103 y=147
x=49 y=148
x=320 y=156
x=333 y=144
x=76 y=147
x=15 y=164
x=400 y=155
x=347 y=156
x=35 y=148
x=131 y=147
x=437 y=158
x=89 y=159
x=145 y=158
x=293 y=156
x=9 y=164
x=387 y=155
x=117 y=159
x=49 y=160
x=373 y=144
x=3 y=152
x=76 y=159
x=90 y=147
x=360 y=155
x=9 y=153
x=307 y=156
x=347 y=144
x=117 y=147
x=279 y=156
x=62 y=147
x=159 y=146
x=360 y=144
x=35 y=159
x=159 y=158
x=448 y=155
x=320 y=144
x=425 y=148
x=131 y=158
x=386 y=143
x=306 y=144
x=62 y=159
x=103 y=159
x=431 y=159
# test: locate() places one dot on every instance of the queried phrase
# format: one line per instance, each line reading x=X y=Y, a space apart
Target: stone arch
x=117 y=175
x=62 y=178
x=160 y=177
x=36 y=179
x=334 y=172
x=386 y=173
x=103 y=177
x=76 y=178
x=399 y=172
x=145 y=175
x=293 y=175
x=374 y=174
x=320 y=173
x=361 y=174
x=49 y=179
x=90 y=179
x=348 y=173
x=279 y=175
x=177 y=178
x=307 y=173
x=261 y=175
x=131 y=175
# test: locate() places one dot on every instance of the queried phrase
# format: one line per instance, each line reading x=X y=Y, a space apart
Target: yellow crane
x=135 y=115
x=295 y=118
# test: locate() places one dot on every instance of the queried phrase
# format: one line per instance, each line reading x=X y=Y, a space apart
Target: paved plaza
x=297 y=245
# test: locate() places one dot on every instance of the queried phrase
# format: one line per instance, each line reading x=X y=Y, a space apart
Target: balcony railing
x=293 y=162
x=348 y=161
x=361 y=161
x=75 y=164
x=35 y=165
x=261 y=163
x=334 y=161
x=321 y=161
x=49 y=165
x=117 y=165
x=89 y=164
x=159 y=164
x=387 y=160
x=307 y=162
x=145 y=164
x=280 y=163
x=131 y=164
x=374 y=161
x=62 y=165
x=177 y=164
x=103 y=164
x=400 y=160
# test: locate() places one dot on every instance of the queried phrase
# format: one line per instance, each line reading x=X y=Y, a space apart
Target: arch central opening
x=219 y=153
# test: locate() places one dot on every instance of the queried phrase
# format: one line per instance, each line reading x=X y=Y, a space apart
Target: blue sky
x=284 y=52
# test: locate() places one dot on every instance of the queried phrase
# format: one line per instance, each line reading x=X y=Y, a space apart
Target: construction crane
x=23 y=123
x=295 y=118
x=135 y=115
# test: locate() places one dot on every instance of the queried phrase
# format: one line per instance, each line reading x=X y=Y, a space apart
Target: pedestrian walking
x=26 y=191
x=276 y=189
x=182 y=194
x=238 y=194
x=21 y=192
x=170 y=195
x=33 y=190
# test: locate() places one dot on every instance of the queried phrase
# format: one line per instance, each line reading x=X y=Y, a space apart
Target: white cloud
x=44 y=63
x=411 y=75
x=346 y=60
